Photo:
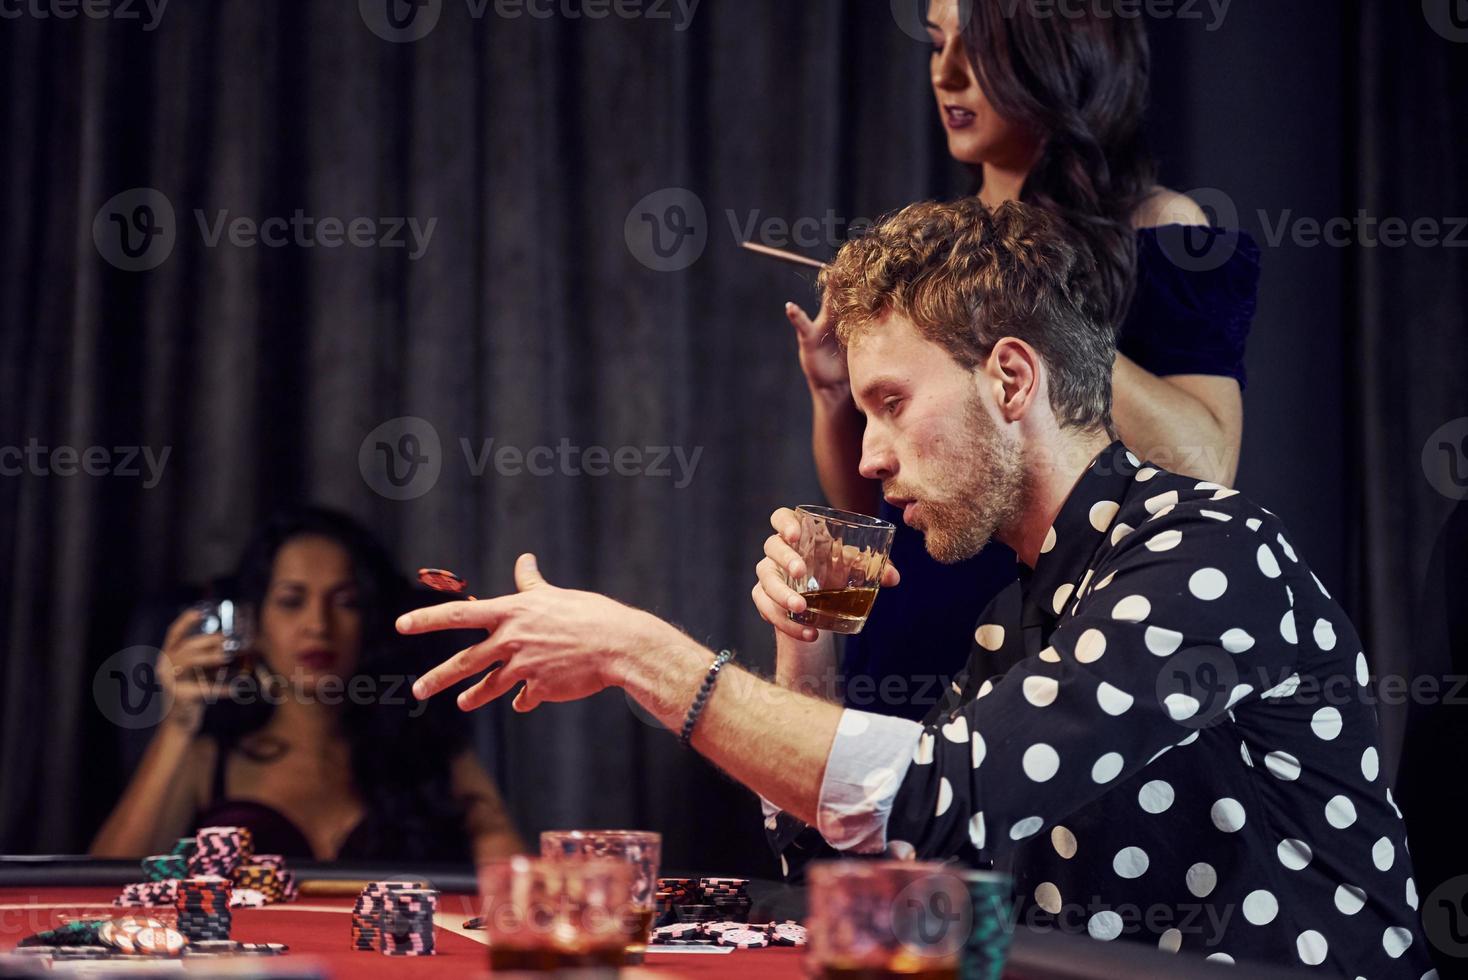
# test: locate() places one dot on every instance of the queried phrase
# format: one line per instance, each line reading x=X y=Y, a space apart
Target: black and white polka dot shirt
x=1165 y=734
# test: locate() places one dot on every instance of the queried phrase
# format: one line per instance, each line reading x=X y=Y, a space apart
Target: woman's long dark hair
x=400 y=748
x=1079 y=81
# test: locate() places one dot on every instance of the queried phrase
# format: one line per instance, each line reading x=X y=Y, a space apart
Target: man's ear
x=1015 y=369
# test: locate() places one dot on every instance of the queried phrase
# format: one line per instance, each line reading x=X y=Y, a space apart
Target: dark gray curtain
x=528 y=319
x=1409 y=361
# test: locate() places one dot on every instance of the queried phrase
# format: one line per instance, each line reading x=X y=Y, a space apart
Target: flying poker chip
x=743 y=939
x=441 y=580
x=263 y=949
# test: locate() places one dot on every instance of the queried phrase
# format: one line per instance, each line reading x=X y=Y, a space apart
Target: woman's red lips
x=955 y=117
x=316 y=659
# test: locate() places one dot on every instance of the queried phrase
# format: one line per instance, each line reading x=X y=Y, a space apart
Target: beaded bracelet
x=702 y=697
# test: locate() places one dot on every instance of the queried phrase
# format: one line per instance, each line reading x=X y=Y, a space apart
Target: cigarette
x=783 y=256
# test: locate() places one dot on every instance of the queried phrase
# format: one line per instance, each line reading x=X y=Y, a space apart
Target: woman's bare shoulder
x=1162 y=206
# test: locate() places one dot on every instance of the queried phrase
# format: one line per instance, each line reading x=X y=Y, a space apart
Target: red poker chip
x=441 y=580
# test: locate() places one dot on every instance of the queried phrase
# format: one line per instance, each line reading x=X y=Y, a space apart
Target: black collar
x=1083 y=526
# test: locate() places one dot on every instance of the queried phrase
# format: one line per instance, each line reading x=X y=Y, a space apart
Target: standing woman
x=1048 y=110
x=327 y=755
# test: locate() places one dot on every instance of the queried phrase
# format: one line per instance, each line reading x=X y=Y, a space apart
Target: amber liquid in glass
x=547 y=959
x=837 y=610
x=639 y=928
x=836 y=972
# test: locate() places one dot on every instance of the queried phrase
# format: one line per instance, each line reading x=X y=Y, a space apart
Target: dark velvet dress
x=375 y=838
x=1194 y=302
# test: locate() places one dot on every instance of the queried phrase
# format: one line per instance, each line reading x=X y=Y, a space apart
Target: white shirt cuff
x=864 y=770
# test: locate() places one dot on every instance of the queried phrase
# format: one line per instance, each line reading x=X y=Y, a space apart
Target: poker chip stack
x=165 y=867
x=148 y=894
x=185 y=848
x=262 y=879
x=219 y=850
x=369 y=910
x=730 y=896
x=203 y=908
x=673 y=892
x=407 y=922
x=741 y=935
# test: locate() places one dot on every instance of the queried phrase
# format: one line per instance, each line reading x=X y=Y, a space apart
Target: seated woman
x=323 y=753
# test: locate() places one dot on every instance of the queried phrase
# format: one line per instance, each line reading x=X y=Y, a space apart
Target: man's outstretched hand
x=563 y=643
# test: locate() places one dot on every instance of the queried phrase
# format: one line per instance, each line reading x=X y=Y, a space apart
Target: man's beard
x=976 y=493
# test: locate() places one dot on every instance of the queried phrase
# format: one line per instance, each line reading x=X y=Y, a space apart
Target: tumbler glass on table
x=556 y=916
x=641 y=850
x=844 y=554
x=887 y=920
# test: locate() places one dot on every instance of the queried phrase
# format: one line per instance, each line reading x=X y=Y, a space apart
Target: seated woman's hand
x=187 y=670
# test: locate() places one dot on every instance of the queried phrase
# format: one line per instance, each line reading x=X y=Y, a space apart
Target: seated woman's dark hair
x=401 y=749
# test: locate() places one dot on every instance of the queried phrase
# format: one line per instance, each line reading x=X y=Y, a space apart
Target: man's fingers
x=527 y=573
x=525 y=700
x=465 y=663
x=890 y=577
x=786 y=524
x=493 y=685
x=773 y=584
x=785 y=557
x=476 y=614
